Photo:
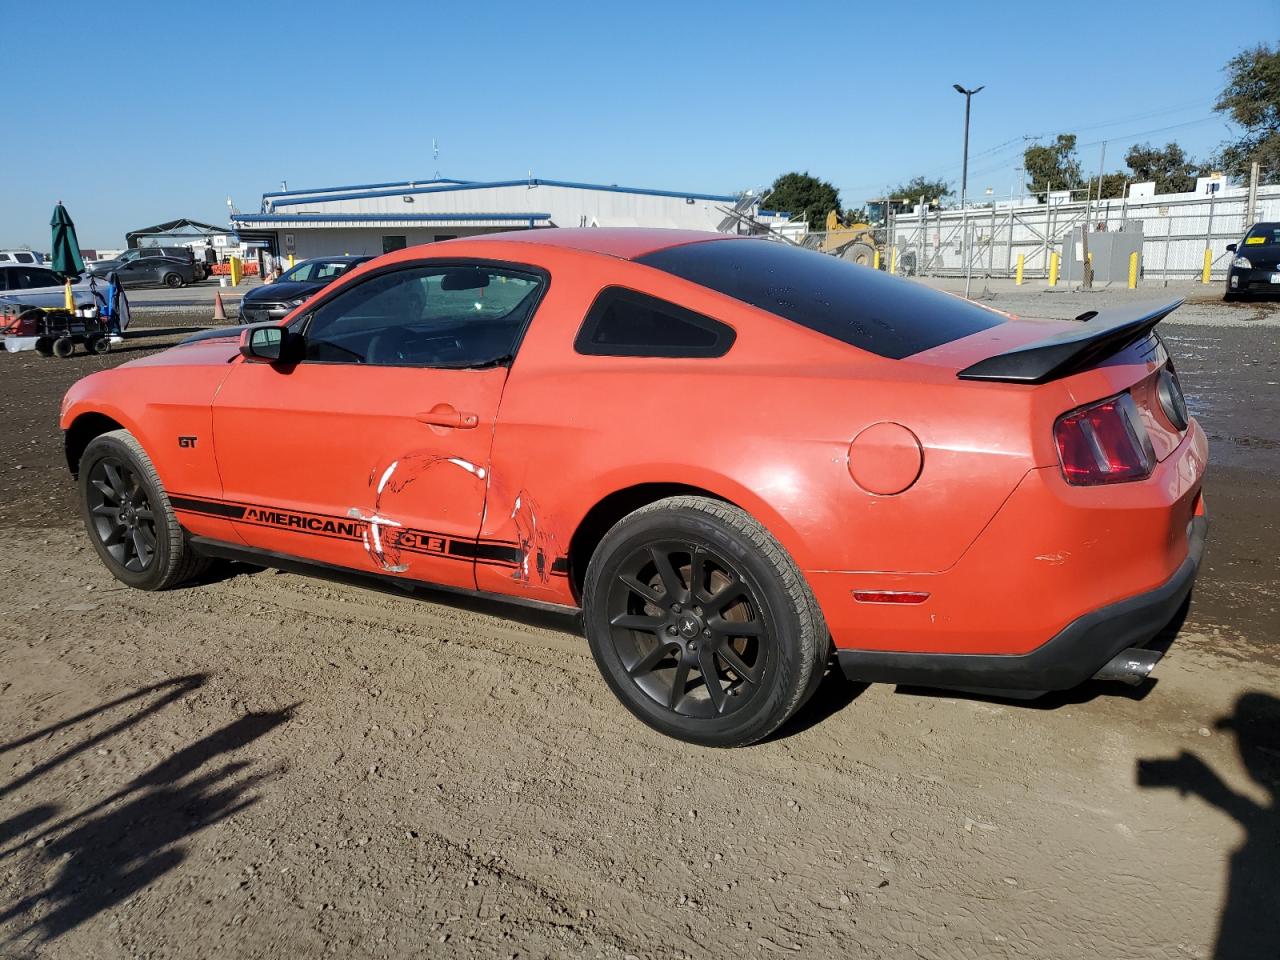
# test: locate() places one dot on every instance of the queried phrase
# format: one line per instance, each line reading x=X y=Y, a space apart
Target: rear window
x=856 y=305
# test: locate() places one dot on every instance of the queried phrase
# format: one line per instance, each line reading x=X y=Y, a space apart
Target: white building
x=376 y=218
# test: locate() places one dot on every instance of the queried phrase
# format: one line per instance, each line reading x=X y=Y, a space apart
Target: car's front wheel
x=129 y=518
x=701 y=623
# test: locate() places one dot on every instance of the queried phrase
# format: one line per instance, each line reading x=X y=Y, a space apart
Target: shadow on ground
x=108 y=851
x=1249 y=926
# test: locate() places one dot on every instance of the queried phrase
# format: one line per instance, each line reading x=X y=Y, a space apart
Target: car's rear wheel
x=129 y=518
x=701 y=623
x=172 y=280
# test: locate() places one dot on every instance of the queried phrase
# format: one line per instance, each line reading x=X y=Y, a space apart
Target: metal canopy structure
x=180 y=230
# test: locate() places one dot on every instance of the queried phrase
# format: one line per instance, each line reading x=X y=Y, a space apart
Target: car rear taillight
x=1104 y=442
x=1174 y=404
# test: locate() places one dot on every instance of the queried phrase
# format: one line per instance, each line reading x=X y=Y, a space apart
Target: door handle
x=446 y=415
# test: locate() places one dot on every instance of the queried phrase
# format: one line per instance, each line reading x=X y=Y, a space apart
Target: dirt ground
x=265 y=765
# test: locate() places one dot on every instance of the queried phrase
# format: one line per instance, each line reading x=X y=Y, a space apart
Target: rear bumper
x=1072 y=656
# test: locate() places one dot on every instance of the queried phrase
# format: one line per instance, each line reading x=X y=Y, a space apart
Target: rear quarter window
x=856 y=305
x=627 y=323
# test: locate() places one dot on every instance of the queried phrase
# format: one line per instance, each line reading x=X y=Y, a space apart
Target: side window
x=426 y=316
x=33 y=278
x=4 y=278
x=624 y=323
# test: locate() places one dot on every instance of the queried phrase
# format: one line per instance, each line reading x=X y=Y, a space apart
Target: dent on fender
x=538 y=547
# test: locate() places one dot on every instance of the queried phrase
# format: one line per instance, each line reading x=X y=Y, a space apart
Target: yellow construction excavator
x=849 y=241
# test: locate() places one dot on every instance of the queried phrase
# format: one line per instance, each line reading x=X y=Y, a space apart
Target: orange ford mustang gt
x=734 y=455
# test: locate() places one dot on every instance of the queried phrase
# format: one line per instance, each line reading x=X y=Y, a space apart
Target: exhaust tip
x=1131 y=666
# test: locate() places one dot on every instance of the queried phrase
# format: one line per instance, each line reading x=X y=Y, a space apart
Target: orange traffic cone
x=219 y=312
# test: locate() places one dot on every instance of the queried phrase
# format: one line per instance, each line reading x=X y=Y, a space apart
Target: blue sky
x=705 y=97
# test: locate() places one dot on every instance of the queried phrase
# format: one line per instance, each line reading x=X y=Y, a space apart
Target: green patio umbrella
x=66 y=248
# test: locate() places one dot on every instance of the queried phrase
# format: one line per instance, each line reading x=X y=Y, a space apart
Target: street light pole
x=964 y=185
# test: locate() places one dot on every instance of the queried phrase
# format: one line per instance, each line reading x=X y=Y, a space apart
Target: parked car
x=1256 y=265
x=732 y=454
x=272 y=301
x=142 y=266
x=28 y=257
x=34 y=286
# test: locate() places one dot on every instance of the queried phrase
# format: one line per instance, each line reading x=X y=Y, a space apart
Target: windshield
x=317 y=270
x=130 y=255
x=1263 y=234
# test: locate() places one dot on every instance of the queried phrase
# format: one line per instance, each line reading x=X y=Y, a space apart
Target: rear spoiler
x=1101 y=335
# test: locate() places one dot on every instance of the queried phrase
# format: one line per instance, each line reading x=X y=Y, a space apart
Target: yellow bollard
x=291 y=261
x=1053 y=269
x=68 y=301
x=235 y=271
x=875 y=261
x=1208 y=262
x=893 y=259
x=1018 y=280
x=1133 y=270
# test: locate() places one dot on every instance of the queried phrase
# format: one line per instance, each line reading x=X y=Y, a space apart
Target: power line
x=1014 y=142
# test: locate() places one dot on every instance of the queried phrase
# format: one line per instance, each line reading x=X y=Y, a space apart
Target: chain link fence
x=1175 y=233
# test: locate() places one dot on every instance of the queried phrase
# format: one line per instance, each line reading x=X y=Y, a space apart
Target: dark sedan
x=1256 y=266
x=299 y=283
x=146 y=266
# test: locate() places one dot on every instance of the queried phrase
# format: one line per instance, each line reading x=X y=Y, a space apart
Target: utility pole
x=1087 y=267
x=1251 y=210
x=964 y=186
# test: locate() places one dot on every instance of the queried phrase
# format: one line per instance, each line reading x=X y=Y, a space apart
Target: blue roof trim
x=364 y=186
x=481 y=185
x=381 y=217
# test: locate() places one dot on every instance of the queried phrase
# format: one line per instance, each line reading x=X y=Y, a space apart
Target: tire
x=143 y=546
x=172 y=281
x=749 y=615
x=98 y=345
x=860 y=253
x=44 y=347
x=63 y=347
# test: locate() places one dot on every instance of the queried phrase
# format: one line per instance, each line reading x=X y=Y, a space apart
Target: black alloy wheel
x=129 y=517
x=121 y=516
x=701 y=623
x=688 y=628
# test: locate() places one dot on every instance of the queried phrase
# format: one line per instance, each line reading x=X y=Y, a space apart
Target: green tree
x=1171 y=169
x=932 y=190
x=804 y=197
x=1252 y=99
x=1113 y=185
x=1053 y=167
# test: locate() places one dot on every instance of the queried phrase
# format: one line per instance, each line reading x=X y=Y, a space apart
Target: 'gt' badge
x=186 y=441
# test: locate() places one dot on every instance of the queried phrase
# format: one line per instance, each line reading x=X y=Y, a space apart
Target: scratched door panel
x=332 y=462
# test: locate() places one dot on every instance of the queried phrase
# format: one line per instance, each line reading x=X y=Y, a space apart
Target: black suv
x=171 y=266
x=272 y=301
x=1255 y=268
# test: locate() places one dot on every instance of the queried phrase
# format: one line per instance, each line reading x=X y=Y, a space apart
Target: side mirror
x=1231 y=248
x=268 y=344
